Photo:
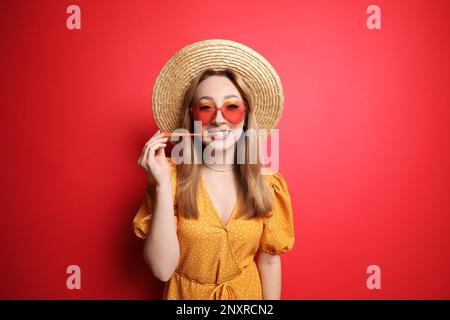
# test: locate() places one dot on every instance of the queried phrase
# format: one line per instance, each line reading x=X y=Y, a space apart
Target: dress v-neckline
x=216 y=213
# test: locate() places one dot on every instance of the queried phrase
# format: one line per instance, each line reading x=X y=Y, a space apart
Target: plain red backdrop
x=364 y=140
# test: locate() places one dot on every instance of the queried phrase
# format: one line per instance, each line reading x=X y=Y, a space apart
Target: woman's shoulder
x=275 y=179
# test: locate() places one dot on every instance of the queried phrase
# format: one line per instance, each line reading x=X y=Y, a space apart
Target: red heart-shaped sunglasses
x=205 y=111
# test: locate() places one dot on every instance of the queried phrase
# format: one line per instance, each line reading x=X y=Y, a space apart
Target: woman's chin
x=219 y=145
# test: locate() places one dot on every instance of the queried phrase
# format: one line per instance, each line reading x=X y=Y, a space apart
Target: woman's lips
x=220 y=135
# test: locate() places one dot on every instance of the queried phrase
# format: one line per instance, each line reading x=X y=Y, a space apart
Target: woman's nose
x=219 y=119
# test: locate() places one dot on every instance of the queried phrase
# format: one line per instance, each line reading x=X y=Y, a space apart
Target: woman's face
x=222 y=134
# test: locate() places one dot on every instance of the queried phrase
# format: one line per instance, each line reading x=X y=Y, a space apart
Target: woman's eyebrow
x=230 y=96
x=225 y=97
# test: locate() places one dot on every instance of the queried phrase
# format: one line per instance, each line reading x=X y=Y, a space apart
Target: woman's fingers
x=154 y=141
x=151 y=152
x=156 y=138
x=142 y=155
x=144 y=159
x=160 y=151
x=153 y=144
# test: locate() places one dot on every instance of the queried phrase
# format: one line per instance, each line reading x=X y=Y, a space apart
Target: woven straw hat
x=217 y=54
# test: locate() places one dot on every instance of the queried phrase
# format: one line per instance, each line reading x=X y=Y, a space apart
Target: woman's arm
x=269 y=267
x=162 y=249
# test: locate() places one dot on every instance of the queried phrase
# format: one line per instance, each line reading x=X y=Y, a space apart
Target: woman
x=214 y=230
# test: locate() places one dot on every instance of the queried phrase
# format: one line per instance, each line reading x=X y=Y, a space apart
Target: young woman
x=214 y=230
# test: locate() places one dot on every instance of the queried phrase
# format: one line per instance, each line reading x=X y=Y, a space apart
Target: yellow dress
x=217 y=260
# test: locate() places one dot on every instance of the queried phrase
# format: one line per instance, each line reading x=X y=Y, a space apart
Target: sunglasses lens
x=204 y=113
x=234 y=112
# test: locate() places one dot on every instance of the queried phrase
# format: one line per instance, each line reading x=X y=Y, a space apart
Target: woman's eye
x=205 y=108
x=232 y=106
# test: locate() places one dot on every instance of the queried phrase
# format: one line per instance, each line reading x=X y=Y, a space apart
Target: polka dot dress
x=217 y=260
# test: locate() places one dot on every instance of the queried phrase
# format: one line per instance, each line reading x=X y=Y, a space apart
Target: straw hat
x=176 y=75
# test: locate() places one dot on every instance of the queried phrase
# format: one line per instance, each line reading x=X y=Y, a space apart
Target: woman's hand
x=153 y=159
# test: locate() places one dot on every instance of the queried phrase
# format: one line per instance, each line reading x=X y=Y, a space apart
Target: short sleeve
x=142 y=220
x=278 y=233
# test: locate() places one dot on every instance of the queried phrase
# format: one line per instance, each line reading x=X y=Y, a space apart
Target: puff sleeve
x=278 y=232
x=142 y=220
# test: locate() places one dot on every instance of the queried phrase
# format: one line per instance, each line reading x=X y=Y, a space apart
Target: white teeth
x=221 y=133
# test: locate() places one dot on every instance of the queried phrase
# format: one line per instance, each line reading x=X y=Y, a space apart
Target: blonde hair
x=257 y=200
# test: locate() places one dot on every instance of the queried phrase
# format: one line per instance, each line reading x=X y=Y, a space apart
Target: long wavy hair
x=257 y=200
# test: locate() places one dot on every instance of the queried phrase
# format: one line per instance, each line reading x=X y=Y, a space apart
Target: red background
x=364 y=140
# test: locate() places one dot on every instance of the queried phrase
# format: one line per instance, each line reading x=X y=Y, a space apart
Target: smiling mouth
x=220 y=135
